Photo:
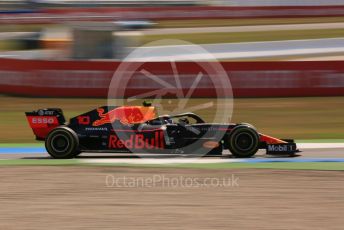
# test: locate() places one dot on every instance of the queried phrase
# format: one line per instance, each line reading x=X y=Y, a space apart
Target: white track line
x=140 y=161
x=320 y=145
x=143 y=160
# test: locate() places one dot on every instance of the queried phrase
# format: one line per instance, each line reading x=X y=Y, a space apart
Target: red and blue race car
x=138 y=129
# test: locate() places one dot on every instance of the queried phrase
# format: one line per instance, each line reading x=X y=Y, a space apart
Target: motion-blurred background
x=283 y=57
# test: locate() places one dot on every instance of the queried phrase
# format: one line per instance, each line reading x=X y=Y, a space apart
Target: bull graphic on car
x=127 y=115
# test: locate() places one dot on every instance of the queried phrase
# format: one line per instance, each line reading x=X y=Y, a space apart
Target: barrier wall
x=248 y=79
x=155 y=13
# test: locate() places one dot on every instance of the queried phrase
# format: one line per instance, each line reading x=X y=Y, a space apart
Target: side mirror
x=147 y=104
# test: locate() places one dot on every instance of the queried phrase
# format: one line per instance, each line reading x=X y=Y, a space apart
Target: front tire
x=62 y=143
x=243 y=141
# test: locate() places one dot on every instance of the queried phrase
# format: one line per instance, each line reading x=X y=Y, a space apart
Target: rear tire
x=62 y=143
x=243 y=141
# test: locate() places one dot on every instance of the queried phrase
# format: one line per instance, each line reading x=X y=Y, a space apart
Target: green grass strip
x=21 y=145
x=275 y=165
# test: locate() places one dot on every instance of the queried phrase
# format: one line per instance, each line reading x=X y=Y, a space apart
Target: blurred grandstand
x=29 y=4
x=15 y=4
x=237 y=30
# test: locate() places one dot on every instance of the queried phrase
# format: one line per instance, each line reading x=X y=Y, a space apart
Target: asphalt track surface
x=283 y=3
x=213 y=29
x=307 y=155
x=241 y=50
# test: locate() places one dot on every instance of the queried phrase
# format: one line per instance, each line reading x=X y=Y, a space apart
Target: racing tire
x=243 y=141
x=247 y=124
x=62 y=143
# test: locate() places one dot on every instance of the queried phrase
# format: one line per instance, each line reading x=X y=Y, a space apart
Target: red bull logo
x=137 y=141
x=126 y=115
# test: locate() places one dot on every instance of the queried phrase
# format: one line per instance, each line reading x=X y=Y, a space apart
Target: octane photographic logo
x=175 y=79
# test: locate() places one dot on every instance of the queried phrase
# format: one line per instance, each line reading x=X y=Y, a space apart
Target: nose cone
x=270 y=140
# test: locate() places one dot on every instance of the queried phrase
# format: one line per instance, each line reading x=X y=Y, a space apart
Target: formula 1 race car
x=139 y=129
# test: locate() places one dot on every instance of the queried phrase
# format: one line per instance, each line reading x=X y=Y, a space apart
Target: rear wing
x=42 y=121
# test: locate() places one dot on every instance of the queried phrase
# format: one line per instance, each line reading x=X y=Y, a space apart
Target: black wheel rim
x=60 y=143
x=244 y=141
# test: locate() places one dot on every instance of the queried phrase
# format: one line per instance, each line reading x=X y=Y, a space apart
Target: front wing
x=281 y=149
x=275 y=146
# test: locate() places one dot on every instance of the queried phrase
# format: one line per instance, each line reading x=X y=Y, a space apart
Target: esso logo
x=42 y=120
